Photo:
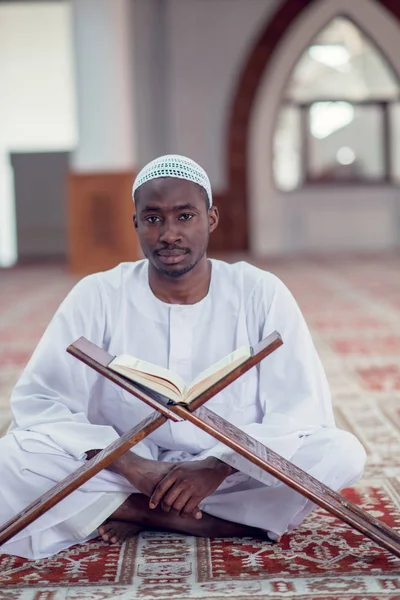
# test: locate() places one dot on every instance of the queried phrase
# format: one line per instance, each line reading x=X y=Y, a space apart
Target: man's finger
x=192 y=509
x=172 y=495
x=181 y=500
x=196 y=514
x=161 y=488
x=181 y=503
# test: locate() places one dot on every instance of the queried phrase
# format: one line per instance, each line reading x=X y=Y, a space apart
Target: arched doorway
x=256 y=204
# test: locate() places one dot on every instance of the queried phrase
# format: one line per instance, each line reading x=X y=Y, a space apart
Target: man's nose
x=170 y=233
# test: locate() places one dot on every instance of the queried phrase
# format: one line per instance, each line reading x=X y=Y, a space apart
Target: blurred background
x=291 y=106
x=293 y=109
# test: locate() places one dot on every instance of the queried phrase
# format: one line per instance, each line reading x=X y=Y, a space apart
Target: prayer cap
x=174 y=165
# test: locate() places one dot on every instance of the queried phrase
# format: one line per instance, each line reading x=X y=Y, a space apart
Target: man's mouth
x=171 y=256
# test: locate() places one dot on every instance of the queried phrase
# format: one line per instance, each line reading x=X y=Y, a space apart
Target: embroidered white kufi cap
x=174 y=165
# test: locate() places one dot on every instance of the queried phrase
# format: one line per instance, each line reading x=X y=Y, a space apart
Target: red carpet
x=353 y=309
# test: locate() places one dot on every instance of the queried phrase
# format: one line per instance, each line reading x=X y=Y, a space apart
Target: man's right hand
x=144 y=474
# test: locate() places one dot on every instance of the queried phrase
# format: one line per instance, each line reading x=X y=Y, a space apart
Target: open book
x=170 y=384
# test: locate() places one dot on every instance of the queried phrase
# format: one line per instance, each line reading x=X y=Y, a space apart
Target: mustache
x=171 y=248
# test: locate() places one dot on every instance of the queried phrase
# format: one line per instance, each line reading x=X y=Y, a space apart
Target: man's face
x=173 y=223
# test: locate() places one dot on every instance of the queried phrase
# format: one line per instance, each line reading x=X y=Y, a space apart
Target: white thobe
x=61 y=408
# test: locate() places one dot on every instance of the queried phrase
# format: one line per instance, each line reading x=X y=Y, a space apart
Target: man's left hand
x=187 y=484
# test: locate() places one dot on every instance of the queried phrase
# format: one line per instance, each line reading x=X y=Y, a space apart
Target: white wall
x=318 y=218
x=206 y=44
x=151 y=63
x=37 y=104
x=37 y=100
x=102 y=36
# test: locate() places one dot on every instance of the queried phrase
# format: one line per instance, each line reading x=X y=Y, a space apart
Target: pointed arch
x=341 y=80
x=250 y=79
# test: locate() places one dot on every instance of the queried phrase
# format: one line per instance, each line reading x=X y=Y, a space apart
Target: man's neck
x=189 y=288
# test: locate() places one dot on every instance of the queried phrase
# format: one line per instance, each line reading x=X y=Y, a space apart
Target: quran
x=171 y=385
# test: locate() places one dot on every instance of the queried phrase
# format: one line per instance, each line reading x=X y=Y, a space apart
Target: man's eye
x=152 y=219
x=185 y=217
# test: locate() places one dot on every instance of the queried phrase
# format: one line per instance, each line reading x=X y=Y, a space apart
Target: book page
x=148 y=374
x=217 y=371
x=156 y=384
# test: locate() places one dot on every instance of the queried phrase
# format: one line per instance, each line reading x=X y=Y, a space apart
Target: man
x=179 y=310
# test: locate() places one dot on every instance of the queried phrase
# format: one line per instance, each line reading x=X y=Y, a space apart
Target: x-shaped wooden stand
x=220 y=429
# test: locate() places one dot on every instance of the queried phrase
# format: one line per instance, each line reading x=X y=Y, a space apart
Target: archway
x=260 y=63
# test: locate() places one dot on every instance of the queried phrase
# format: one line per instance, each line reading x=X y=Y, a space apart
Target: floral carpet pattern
x=353 y=309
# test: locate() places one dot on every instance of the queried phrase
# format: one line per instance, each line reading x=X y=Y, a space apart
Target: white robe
x=61 y=408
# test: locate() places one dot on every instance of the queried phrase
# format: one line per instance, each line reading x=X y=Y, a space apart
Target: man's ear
x=135 y=220
x=213 y=218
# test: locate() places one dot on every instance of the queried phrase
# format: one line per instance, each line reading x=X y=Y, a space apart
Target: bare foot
x=136 y=510
x=118 y=531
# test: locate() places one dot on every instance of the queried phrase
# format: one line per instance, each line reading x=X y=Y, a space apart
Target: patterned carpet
x=353 y=309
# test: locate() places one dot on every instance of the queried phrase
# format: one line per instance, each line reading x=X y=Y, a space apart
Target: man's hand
x=143 y=473
x=187 y=484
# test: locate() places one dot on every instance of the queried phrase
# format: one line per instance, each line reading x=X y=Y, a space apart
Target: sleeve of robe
x=50 y=400
x=293 y=389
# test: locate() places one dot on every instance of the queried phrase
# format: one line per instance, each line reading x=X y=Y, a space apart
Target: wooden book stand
x=216 y=426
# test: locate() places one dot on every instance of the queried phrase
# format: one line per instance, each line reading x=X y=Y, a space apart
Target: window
x=340 y=119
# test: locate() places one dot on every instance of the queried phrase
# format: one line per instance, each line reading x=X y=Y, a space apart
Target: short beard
x=181 y=272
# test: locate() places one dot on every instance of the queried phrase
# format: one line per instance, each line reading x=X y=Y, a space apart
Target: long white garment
x=62 y=408
x=333 y=456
